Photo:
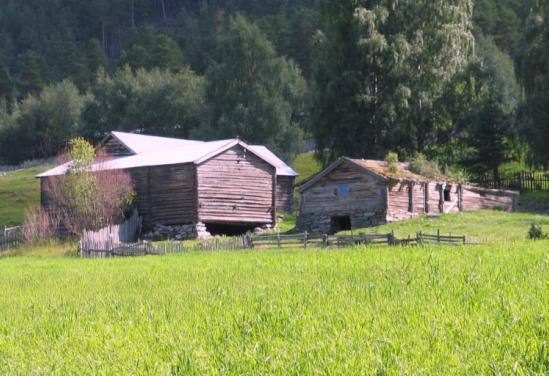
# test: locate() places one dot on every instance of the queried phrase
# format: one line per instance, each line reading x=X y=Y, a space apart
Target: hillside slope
x=18 y=190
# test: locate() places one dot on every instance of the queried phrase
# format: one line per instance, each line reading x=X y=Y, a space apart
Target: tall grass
x=432 y=310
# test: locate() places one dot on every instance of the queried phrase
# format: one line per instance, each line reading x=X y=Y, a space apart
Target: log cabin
x=225 y=183
x=356 y=193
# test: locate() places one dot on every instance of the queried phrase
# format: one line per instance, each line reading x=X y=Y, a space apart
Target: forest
x=461 y=82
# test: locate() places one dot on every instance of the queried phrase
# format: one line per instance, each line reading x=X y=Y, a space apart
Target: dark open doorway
x=229 y=229
x=340 y=223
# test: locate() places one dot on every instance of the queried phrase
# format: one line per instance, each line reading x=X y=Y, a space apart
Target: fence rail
x=271 y=241
x=523 y=181
x=10 y=237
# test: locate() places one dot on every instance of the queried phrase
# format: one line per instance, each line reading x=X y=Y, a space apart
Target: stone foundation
x=178 y=232
x=321 y=223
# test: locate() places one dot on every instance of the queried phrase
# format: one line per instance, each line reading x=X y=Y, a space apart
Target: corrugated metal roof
x=158 y=151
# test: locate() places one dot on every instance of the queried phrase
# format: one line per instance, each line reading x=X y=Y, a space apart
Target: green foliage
x=42 y=124
x=536 y=233
x=392 y=162
x=422 y=166
x=157 y=101
x=380 y=70
x=362 y=311
x=253 y=93
x=151 y=49
x=82 y=154
x=533 y=71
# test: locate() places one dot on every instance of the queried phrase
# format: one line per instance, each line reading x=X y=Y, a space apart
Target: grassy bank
x=18 y=191
x=487 y=226
x=474 y=310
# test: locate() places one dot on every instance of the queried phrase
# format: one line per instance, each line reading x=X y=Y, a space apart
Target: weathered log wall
x=166 y=194
x=406 y=200
x=113 y=147
x=434 y=200
x=475 y=198
x=343 y=192
x=284 y=193
x=236 y=187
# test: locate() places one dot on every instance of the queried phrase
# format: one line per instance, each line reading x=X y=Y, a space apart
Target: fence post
x=305 y=239
x=438 y=235
x=278 y=238
x=325 y=240
x=391 y=238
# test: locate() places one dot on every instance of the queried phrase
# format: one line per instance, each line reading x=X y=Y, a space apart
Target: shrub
x=422 y=166
x=39 y=225
x=536 y=233
x=392 y=162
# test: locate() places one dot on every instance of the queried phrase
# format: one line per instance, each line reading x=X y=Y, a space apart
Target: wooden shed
x=356 y=193
x=178 y=182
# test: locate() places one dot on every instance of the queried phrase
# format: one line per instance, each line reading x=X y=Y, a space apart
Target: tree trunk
x=132 y=13
x=164 y=17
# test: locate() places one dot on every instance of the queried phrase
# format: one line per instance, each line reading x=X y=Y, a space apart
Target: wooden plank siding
x=113 y=147
x=166 y=194
x=284 y=193
x=236 y=187
x=406 y=200
x=363 y=193
x=474 y=198
x=363 y=200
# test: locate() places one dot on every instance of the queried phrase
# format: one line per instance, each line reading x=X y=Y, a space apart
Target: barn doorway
x=340 y=223
x=229 y=229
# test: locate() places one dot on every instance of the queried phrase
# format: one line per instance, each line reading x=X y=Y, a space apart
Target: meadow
x=18 y=190
x=368 y=310
x=433 y=310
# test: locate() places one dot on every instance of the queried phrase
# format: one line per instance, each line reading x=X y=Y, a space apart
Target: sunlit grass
x=487 y=226
x=18 y=190
x=425 y=310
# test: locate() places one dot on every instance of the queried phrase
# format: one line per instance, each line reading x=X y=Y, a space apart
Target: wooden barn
x=180 y=182
x=355 y=193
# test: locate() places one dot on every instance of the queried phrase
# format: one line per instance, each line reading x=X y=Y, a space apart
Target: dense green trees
x=156 y=101
x=253 y=93
x=40 y=126
x=380 y=70
x=533 y=69
x=363 y=76
x=490 y=123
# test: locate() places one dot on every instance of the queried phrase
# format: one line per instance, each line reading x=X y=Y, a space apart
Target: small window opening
x=447 y=194
x=342 y=190
x=341 y=223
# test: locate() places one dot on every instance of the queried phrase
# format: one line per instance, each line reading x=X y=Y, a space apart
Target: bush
x=392 y=162
x=39 y=225
x=422 y=166
x=536 y=233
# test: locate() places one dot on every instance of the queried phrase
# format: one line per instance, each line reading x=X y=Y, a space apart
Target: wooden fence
x=110 y=237
x=10 y=238
x=523 y=182
x=270 y=241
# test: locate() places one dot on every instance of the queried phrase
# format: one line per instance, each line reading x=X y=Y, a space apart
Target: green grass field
x=427 y=310
x=18 y=191
x=412 y=310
